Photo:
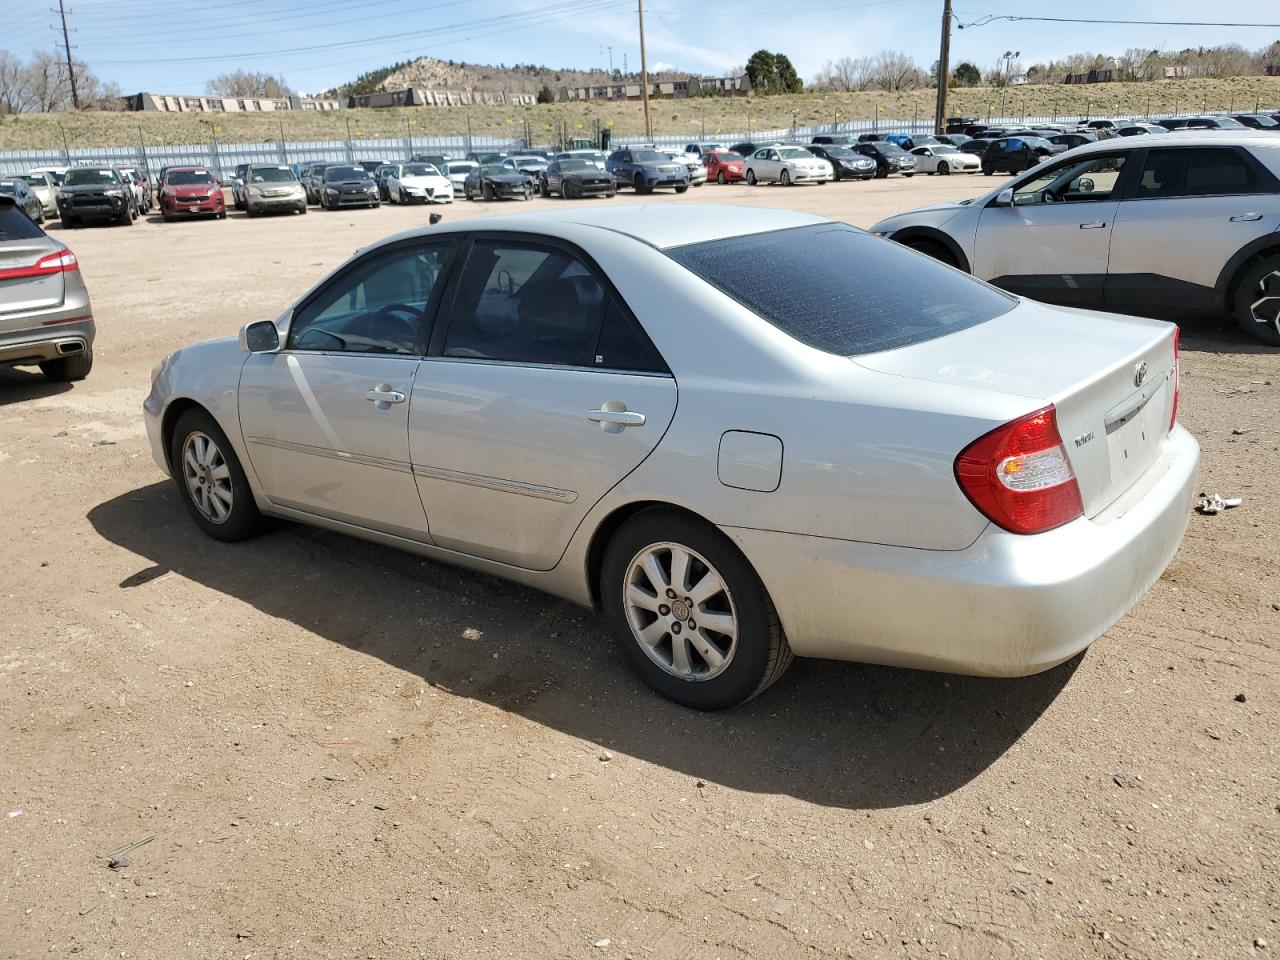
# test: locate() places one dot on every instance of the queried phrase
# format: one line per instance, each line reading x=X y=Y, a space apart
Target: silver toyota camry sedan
x=738 y=453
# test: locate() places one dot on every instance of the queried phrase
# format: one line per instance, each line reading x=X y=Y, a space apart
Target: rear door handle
x=1095 y=225
x=1246 y=217
x=613 y=421
x=382 y=396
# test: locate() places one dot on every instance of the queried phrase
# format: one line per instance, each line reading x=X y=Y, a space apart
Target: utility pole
x=611 y=62
x=944 y=69
x=66 y=44
x=644 y=75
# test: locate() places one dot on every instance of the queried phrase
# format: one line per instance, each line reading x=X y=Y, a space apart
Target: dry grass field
x=695 y=117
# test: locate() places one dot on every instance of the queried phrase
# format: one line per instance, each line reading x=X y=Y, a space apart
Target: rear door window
x=851 y=293
x=1201 y=172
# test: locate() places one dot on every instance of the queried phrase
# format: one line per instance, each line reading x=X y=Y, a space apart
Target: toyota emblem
x=1139 y=373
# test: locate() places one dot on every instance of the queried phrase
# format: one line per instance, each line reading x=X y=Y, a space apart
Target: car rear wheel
x=1257 y=301
x=210 y=480
x=67 y=369
x=689 y=612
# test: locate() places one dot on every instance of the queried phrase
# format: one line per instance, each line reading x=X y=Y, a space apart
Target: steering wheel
x=1048 y=196
x=403 y=314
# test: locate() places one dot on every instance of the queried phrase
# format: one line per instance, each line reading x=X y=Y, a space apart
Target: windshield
x=346 y=173
x=495 y=170
x=566 y=166
x=794 y=153
x=88 y=176
x=459 y=166
x=8 y=188
x=649 y=156
x=420 y=170
x=33 y=179
x=271 y=175
x=841 y=153
x=1261 y=121
x=850 y=294
x=57 y=178
x=185 y=178
x=887 y=148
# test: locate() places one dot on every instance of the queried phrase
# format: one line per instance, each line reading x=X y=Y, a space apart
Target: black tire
x=908 y=175
x=1260 y=284
x=222 y=214
x=721 y=179
x=125 y=219
x=881 y=173
x=543 y=190
x=987 y=171
x=931 y=248
x=612 y=193
x=640 y=186
x=528 y=192
x=249 y=211
x=487 y=191
x=683 y=188
x=944 y=168
x=70 y=223
x=751 y=177
x=304 y=209
x=784 y=178
x=761 y=654
x=67 y=369
x=243 y=520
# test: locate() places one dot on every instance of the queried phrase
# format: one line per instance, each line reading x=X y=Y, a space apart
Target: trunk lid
x=20 y=290
x=1110 y=377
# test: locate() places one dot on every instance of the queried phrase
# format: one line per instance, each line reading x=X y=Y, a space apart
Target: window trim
x=1257 y=166
x=1120 y=191
x=455 y=240
x=444 y=313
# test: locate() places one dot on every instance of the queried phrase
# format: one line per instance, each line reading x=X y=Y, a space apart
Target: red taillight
x=63 y=261
x=1019 y=475
x=1173 y=415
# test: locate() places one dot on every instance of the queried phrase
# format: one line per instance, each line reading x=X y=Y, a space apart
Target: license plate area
x=1135 y=428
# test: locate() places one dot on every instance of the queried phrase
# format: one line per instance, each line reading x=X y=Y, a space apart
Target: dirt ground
x=341 y=751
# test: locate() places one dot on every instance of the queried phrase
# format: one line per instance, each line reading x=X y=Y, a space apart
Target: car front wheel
x=1257 y=301
x=210 y=480
x=751 y=177
x=689 y=612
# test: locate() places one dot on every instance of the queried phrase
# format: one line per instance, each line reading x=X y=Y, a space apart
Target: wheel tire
x=222 y=214
x=640 y=186
x=760 y=654
x=881 y=174
x=243 y=519
x=612 y=193
x=249 y=211
x=167 y=218
x=1260 y=284
x=528 y=192
x=67 y=369
x=944 y=169
x=124 y=219
x=303 y=211
x=751 y=177
x=683 y=188
x=721 y=179
x=931 y=248
x=987 y=171
x=784 y=178
x=487 y=192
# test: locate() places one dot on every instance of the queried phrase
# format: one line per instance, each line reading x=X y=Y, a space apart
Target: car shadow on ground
x=836 y=734
x=1218 y=335
x=19 y=385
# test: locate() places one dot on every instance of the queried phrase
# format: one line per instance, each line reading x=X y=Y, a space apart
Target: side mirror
x=259 y=336
x=1004 y=198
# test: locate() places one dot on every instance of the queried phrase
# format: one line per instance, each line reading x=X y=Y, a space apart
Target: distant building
x=721 y=86
x=418 y=97
x=1093 y=76
x=177 y=103
x=661 y=90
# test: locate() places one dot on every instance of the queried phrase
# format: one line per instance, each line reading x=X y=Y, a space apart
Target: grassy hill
x=675 y=117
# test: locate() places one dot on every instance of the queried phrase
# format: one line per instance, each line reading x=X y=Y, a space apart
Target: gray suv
x=645 y=170
x=1154 y=226
x=45 y=316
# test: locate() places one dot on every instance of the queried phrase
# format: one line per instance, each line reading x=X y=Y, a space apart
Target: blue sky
x=175 y=46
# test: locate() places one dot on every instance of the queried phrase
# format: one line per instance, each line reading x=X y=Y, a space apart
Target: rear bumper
x=59 y=339
x=1006 y=606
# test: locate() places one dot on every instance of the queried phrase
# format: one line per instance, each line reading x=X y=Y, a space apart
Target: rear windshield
x=16 y=225
x=87 y=176
x=849 y=293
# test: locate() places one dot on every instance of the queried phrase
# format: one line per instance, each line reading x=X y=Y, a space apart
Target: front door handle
x=1095 y=225
x=614 y=416
x=1246 y=217
x=382 y=396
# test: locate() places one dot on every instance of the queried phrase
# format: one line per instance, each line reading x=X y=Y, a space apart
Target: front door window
x=1087 y=179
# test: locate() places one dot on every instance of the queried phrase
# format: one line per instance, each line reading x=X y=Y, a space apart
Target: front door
x=544 y=394
x=1052 y=243
x=326 y=418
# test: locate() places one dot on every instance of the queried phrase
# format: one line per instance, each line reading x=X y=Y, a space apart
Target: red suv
x=190 y=192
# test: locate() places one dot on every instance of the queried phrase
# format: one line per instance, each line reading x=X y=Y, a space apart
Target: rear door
x=1187 y=213
x=540 y=395
x=326 y=418
x=1053 y=242
x=25 y=284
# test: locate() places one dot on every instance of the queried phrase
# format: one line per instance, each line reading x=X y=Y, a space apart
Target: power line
x=1016 y=18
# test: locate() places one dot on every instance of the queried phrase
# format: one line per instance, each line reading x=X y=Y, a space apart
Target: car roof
x=660 y=225
x=1231 y=138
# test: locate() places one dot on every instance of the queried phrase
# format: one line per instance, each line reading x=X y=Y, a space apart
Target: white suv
x=1159 y=227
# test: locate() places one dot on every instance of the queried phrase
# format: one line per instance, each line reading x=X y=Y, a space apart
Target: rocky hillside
x=431 y=74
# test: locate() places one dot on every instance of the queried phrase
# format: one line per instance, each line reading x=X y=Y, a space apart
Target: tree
x=248 y=83
x=762 y=71
x=788 y=80
x=894 y=71
x=545 y=95
x=966 y=75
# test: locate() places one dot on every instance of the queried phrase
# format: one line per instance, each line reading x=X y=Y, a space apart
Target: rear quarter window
x=15 y=224
x=841 y=290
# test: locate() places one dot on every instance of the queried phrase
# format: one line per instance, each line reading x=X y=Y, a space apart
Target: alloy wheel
x=207 y=476
x=680 y=611
x=1266 y=309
